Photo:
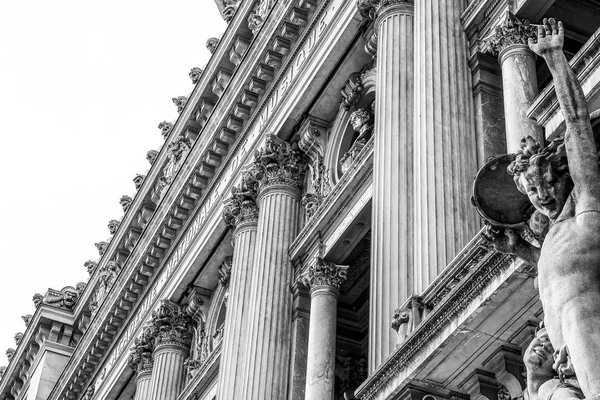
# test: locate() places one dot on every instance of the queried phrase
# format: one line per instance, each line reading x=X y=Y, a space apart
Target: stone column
x=392 y=216
x=140 y=360
x=445 y=152
x=279 y=168
x=173 y=340
x=519 y=79
x=324 y=279
x=241 y=213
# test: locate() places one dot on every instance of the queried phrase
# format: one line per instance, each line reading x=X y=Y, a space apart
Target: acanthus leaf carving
x=102 y=247
x=279 y=162
x=138 y=180
x=513 y=31
x=241 y=206
x=173 y=325
x=140 y=359
x=370 y=9
x=18 y=338
x=323 y=273
x=27 y=319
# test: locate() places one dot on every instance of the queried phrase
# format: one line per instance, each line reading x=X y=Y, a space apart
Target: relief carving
x=140 y=359
x=178 y=151
x=259 y=14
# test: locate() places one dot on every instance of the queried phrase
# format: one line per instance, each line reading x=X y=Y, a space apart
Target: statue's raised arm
x=579 y=137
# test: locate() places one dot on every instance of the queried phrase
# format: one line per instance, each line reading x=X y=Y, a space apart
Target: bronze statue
x=569 y=195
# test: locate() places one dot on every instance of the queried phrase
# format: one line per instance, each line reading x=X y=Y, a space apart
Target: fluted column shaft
x=392 y=216
x=270 y=308
x=142 y=383
x=236 y=318
x=168 y=373
x=445 y=153
x=324 y=280
x=520 y=88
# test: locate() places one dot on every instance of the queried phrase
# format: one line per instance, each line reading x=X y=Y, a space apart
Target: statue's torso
x=569 y=271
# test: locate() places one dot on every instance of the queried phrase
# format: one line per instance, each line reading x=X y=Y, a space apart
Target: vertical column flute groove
x=445 y=151
x=392 y=217
x=168 y=373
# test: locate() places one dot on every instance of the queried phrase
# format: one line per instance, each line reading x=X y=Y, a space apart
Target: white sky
x=83 y=86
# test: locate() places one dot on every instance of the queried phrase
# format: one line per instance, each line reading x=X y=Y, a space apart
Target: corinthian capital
x=173 y=325
x=325 y=273
x=512 y=31
x=279 y=163
x=140 y=358
x=371 y=9
x=241 y=206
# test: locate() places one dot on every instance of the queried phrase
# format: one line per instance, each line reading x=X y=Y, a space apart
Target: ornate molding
x=173 y=326
x=180 y=102
x=279 y=163
x=259 y=14
x=371 y=9
x=195 y=74
x=212 y=44
x=324 y=273
x=513 y=31
x=89 y=393
x=166 y=127
x=241 y=206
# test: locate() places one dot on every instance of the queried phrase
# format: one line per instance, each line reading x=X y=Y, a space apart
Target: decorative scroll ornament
x=370 y=9
x=166 y=127
x=90 y=266
x=405 y=320
x=259 y=14
x=212 y=44
x=125 y=202
x=140 y=359
x=27 y=319
x=151 y=156
x=225 y=271
x=10 y=353
x=113 y=225
x=512 y=31
x=173 y=325
x=325 y=273
x=241 y=206
x=279 y=163
x=195 y=74
x=138 y=180
x=18 y=338
x=180 y=102
x=101 y=246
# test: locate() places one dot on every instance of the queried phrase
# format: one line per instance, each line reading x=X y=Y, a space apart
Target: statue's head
x=359 y=118
x=70 y=298
x=543 y=175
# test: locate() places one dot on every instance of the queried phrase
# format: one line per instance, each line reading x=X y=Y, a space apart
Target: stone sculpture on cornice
x=279 y=162
x=27 y=319
x=10 y=354
x=106 y=277
x=113 y=225
x=18 y=338
x=2 y=371
x=138 y=180
x=125 y=202
x=259 y=14
x=66 y=298
x=195 y=74
x=90 y=266
x=178 y=151
x=165 y=127
x=229 y=9
x=151 y=156
x=37 y=300
x=102 y=247
x=212 y=44
x=180 y=102
x=241 y=206
x=562 y=181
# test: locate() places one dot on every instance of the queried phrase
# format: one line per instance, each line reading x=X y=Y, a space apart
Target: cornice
x=461 y=283
x=584 y=63
x=124 y=294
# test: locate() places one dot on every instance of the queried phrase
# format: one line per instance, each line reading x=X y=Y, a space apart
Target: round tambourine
x=496 y=197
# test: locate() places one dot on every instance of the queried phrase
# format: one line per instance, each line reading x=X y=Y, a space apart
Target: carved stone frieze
x=151 y=156
x=195 y=74
x=90 y=266
x=180 y=102
x=212 y=44
x=370 y=9
x=140 y=359
x=324 y=273
x=279 y=162
x=225 y=271
x=113 y=225
x=259 y=14
x=166 y=127
x=241 y=206
x=125 y=202
x=178 y=151
x=65 y=298
x=173 y=325
x=513 y=31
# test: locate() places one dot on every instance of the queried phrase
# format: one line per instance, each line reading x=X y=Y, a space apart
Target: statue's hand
x=550 y=38
x=503 y=240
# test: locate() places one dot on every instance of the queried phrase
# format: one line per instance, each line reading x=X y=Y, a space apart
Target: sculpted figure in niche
x=569 y=195
x=360 y=123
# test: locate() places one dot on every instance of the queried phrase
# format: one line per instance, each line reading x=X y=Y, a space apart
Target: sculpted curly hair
x=531 y=154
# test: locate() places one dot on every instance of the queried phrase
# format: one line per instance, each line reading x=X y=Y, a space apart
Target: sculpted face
x=70 y=299
x=538 y=357
x=547 y=191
